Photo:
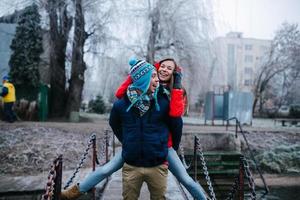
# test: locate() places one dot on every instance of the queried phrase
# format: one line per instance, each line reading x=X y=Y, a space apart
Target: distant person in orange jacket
x=9 y=97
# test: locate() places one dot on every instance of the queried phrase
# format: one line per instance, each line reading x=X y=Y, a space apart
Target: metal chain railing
x=239 y=183
x=54 y=179
x=234 y=188
x=83 y=158
x=239 y=126
x=199 y=151
x=249 y=177
x=182 y=157
x=181 y=154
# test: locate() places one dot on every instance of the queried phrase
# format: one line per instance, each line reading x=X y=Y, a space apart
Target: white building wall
x=239 y=59
x=7 y=32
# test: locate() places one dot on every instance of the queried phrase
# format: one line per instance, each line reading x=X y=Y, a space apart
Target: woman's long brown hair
x=170 y=84
x=186 y=106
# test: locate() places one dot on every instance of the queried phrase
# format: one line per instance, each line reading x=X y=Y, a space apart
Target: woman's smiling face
x=166 y=70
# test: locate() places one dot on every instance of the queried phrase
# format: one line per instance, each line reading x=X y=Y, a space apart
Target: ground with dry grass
x=30 y=147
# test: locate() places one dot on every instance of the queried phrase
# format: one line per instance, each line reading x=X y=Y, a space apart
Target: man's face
x=165 y=70
x=154 y=83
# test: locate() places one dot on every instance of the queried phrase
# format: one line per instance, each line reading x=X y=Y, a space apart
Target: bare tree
x=282 y=61
x=78 y=65
x=154 y=20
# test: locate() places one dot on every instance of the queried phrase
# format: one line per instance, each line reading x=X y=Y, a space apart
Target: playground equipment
x=223 y=104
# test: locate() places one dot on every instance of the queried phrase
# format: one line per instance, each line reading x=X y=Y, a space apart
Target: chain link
x=205 y=171
x=49 y=189
x=181 y=153
x=83 y=158
x=104 y=147
x=234 y=188
x=249 y=177
x=101 y=151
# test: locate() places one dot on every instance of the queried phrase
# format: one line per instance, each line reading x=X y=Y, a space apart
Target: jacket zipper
x=142 y=138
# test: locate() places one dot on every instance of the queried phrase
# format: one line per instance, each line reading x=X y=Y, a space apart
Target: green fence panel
x=43 y=102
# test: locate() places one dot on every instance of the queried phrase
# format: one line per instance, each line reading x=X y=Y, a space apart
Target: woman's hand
x=177 y=75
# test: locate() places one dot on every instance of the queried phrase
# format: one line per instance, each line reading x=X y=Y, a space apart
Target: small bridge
x=224 y=175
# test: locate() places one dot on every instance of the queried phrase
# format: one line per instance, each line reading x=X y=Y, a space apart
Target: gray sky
x=255 y=18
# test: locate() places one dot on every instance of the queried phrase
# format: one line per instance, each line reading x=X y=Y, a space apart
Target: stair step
x=222 y=166
x=217 y=172
x=214 y=153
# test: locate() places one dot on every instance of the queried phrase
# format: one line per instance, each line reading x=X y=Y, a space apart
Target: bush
x=97 y=105
x=282 y=159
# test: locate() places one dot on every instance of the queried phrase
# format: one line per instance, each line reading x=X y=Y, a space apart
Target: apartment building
x=238 y=60
x=7 y=32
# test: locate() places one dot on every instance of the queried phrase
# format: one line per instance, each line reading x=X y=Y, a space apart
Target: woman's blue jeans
x=102 y=172
x=179 y=171
x=116 y=163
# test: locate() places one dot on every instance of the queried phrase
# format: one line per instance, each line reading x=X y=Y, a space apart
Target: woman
x=170 y=77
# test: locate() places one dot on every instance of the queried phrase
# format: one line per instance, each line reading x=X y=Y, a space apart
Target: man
x=141 y=122
x=9 y=98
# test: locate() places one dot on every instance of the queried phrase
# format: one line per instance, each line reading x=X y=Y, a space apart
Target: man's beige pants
x=155 y=177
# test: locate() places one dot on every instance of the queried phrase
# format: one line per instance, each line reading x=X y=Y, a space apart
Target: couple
x=142 y=120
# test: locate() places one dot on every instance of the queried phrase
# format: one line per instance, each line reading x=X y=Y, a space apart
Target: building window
x=248 y=82
x=248 y=58
x=263 y=47
x=248 y=70
x=248 y=47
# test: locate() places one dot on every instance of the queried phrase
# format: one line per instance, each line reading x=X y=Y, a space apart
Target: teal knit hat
x=141 y=73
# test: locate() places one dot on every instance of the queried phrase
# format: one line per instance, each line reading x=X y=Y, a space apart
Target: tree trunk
x=260 y=111
x=58 y=44
x=254 y=104
x=78 y=64
x=154 y=16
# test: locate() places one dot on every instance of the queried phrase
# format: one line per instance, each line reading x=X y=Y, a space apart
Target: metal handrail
x=53 y=186
x=199 y=152
x=238 y=126
x=237 y=187
x=182 y=157
x=91 y=142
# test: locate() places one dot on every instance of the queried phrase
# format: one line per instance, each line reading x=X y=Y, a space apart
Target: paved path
x=113 y=190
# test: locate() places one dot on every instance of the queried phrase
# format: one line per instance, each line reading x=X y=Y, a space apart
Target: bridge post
x=106 y=145
x=58 y=178
x=114 y=145
x=94 y=158
x=195 y=158
x=241 y=179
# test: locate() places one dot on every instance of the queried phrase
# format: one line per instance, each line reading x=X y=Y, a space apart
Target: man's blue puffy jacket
x=144 y=138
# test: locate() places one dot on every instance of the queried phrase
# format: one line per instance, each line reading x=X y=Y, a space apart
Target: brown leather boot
x=71 y=193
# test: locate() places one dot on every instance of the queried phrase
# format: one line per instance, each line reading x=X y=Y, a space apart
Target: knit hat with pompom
x=141 y=73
